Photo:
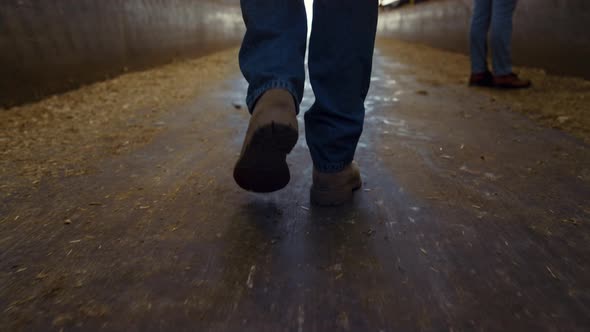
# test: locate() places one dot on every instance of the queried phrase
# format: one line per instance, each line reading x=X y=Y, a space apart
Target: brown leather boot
x=330 y=189
x=511 y=81
x=481 y=79
x=272 y=134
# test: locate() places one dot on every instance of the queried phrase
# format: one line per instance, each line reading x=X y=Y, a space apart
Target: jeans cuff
x=274 y=84
x=332 y=167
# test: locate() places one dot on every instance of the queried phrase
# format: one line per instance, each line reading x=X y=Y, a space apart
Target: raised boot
x=272 y=134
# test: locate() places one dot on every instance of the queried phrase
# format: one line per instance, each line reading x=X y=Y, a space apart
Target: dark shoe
x=272 y=134
x=329 y=189
x=481 y=79
x=511 y=81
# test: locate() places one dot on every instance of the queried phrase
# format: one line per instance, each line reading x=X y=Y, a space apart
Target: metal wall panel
x=53 y=46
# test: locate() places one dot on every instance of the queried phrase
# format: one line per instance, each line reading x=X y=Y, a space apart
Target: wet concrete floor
x=471 y=218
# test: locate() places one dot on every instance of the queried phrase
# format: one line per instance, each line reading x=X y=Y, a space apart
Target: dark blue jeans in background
x=497 y=14
x=340 y=60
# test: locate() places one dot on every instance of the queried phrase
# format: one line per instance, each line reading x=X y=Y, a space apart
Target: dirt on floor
x=553 y=101
x=66 y=134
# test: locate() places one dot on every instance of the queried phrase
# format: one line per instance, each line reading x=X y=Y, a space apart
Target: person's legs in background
x=478 y=41
x=272 y=61
x=501 y=37
x=340 y=63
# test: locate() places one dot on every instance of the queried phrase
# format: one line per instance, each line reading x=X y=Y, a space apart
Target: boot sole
x=510 y=87
x=333 y=197
x=481 y=85
x=263 y=168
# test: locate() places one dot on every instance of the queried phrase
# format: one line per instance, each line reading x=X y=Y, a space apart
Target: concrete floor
x=471 y=218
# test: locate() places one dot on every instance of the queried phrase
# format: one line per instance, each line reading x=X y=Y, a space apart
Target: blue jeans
x=340 y=61
x=498 y=14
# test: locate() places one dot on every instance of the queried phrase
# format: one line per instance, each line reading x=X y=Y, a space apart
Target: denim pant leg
x=501 y=36
x=478 y=35
x=273 y=49
x=340 y=61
